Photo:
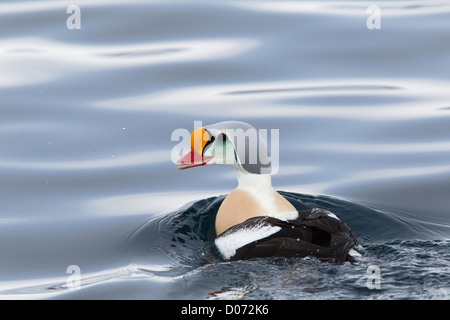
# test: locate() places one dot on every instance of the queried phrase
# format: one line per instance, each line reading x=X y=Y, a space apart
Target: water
x=86 y=118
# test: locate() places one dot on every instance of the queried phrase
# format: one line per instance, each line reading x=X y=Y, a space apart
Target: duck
x=255 y=220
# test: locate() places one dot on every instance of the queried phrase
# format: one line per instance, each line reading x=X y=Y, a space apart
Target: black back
x=313 y=233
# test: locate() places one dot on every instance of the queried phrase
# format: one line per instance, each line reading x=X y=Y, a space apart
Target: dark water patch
x=138 y=53
x=184 y=239
x=314 y=89
x=363 y=221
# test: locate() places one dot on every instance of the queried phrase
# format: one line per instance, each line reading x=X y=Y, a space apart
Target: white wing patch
x=332 y=215
x=354 y=253
x=285 y=216
x=229 y=243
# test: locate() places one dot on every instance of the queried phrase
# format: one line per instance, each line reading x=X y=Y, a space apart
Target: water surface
x=86 y=118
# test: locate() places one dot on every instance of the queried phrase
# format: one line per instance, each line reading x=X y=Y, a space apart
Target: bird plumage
x=315 y=232
x=254 y=220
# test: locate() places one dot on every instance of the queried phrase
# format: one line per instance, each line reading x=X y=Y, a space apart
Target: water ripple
x=346 y=8
x=29 y=60
x=377 y=148
x=140 y=158
x=261 y=99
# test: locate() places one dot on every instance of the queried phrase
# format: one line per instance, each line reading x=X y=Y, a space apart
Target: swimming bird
x=254 y=220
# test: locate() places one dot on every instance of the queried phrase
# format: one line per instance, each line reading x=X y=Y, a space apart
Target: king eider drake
x=254 y=220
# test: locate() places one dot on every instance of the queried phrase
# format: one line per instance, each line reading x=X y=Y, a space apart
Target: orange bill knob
x=194 y=158
x=199 y=138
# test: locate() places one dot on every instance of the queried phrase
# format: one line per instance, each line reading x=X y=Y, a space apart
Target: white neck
x=260 y=187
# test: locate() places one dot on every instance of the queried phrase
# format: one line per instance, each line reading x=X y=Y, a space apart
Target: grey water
x=92 y=206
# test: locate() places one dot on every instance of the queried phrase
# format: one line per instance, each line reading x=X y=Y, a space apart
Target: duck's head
x=231 y=143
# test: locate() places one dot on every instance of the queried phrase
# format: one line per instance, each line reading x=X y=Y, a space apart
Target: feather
x=315 y=232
